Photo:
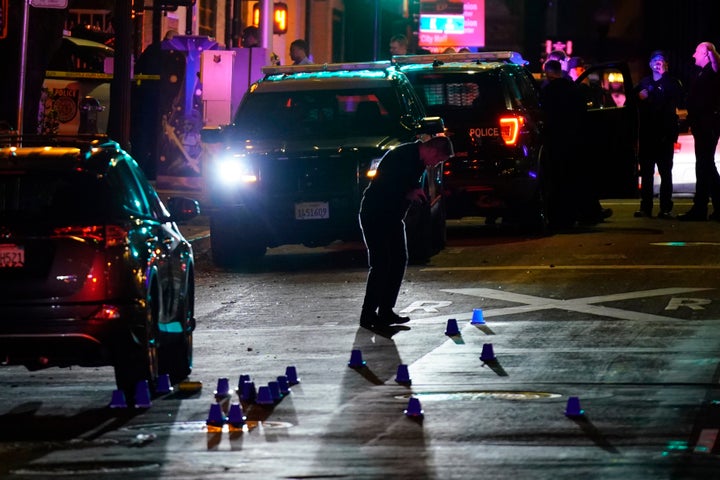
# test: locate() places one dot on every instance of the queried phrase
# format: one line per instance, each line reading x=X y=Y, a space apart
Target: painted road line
x=579 y=305
x=571 y=267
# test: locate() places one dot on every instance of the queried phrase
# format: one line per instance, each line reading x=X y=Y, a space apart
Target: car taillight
x=110 y=235
x=510 y=129
x=106 y=312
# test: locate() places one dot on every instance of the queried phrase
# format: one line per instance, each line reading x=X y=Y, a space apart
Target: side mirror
x=183 y=209
x=211 y=135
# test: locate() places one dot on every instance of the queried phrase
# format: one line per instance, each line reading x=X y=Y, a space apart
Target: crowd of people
x=659 y=96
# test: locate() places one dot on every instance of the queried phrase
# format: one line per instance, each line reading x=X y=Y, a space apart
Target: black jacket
x=703 y=101
x=399 y=172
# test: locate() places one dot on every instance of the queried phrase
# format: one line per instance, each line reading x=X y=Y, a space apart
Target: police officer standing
x=383 y=207
x=703 y=106
x=659 y=95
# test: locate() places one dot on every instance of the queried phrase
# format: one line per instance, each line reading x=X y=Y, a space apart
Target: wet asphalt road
x=622 y=316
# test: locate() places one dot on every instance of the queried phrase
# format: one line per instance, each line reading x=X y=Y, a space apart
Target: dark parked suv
x=490 y=105
x=93 y=268
x=304 y=144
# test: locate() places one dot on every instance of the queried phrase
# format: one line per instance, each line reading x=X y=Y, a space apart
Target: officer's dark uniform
x=658 y=134
x=383 y=207
x=564 y=112
x=703 y=105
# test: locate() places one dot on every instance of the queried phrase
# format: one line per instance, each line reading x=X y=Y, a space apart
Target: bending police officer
x=383 y=207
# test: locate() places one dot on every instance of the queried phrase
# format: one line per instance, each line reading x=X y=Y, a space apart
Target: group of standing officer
x=659 y=96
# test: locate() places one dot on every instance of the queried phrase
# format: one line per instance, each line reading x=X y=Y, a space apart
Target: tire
x=176 y=355
x=136 y=358
x=230 y=245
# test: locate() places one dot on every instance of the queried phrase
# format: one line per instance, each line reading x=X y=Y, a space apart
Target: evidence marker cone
x=413 y=408
x=291 y=374
x=243 y=379
x=216 y=418
x=247 y=392
x=356 y=360
x=477 y=317
x=264 y=396
x=163 y=384
x=142 y=394
x=223 y=388
x=275 y=391
x=573 y=408
x=236 y=418
x=487 y=354
x=452 y=328
x=118 y=399
x=283 y=384
x=403 y=376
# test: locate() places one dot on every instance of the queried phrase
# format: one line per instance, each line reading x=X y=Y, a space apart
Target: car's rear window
x=460 y=92
x=53 y=197
x=319 y=114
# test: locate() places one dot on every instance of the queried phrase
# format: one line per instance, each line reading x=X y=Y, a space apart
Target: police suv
x=304 y=144
x=490 y=104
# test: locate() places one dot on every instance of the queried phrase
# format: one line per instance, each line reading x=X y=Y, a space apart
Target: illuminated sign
x=451 y=23
x=3 y=18
x=280 y=17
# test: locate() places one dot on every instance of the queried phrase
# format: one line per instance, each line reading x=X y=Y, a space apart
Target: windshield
x=318 y=114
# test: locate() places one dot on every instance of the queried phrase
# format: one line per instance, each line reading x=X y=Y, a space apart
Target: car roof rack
x=477 y=57
x=325 y=67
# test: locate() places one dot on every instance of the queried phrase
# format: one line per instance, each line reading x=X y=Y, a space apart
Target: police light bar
x=325 y=67
x=507 y=56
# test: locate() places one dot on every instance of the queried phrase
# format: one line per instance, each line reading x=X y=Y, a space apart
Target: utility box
x=216 y=75
x=225 y=76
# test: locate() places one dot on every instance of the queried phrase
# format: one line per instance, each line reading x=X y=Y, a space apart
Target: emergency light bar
x=325 y=67
x=508 y=56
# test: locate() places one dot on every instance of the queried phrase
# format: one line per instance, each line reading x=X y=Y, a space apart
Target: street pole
x=376 y=31
x=23 y=62
x=266 y=25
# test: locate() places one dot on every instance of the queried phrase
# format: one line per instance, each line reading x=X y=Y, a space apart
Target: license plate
x=12 y=256
x=312 y=211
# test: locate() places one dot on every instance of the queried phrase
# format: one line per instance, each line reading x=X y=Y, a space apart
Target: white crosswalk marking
x=581 y=305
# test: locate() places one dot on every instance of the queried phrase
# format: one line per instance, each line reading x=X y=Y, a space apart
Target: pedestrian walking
x=385 y=202
x=658 y=95
x=703 y=106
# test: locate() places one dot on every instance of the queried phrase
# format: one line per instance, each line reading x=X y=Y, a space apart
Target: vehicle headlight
x=235 y=170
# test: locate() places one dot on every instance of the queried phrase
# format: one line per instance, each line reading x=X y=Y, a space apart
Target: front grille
x=316 y=177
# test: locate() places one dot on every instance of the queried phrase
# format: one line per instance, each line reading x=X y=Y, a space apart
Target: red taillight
x=111 y=235
x=510 y=129
x=106 y=312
